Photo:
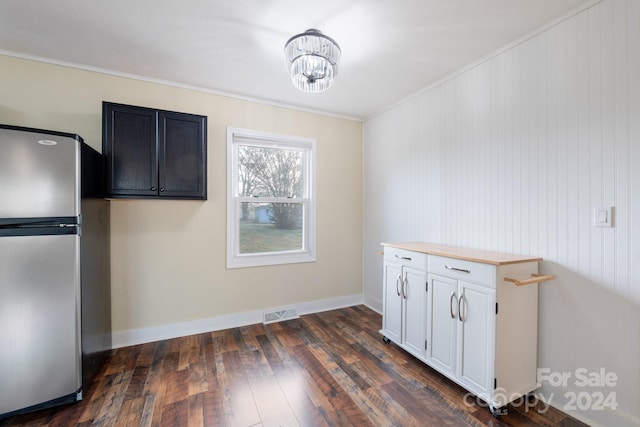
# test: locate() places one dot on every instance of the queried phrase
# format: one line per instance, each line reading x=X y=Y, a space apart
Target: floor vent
x=279 y=315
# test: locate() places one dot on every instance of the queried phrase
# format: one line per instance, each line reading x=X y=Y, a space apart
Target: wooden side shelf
x=535 y=278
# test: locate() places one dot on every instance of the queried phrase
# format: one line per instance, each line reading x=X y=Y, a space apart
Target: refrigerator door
x=39 y=319
x=39 y=175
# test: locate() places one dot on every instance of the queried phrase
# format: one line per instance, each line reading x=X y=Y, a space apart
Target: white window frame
x=237 y=136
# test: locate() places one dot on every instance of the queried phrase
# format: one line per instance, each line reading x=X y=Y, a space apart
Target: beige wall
x=168 y=257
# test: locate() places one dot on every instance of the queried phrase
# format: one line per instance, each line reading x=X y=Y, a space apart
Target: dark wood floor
x=325 y=369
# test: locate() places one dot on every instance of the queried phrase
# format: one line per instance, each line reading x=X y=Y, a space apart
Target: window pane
x=270 y=172
x=270 y=199
x=270 y=227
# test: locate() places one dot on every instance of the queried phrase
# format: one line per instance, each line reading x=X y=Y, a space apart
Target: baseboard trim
x=600 y=418
x=175 y=330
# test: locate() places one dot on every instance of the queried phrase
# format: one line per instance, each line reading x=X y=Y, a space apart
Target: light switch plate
x=603 y=216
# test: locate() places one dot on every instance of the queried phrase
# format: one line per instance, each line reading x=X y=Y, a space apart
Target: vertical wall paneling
x=550 y=148
x=622 y=154
x=610 y=143
x=512 y=155
x=633 y=57
x=572 y=97
x=583 y=181
x=507 y=196
x=595 y=82
x=633 y=53
x=561 y=116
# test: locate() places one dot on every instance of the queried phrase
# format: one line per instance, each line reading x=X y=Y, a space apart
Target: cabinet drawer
x=409 y=258
x=474 y=272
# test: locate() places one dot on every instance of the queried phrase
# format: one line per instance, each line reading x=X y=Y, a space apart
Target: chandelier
x=312 y=59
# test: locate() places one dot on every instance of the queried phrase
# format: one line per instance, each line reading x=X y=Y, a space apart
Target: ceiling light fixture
x=312 y=59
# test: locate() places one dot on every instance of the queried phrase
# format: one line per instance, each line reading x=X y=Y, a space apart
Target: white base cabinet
x=405 y=300
x=476 y=328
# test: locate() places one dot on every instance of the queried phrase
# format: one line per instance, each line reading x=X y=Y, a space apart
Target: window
x=270 y=199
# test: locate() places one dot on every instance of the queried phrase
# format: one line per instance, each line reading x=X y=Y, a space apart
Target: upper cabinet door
x=154 y=153
x=182 y=154
x=130 y=147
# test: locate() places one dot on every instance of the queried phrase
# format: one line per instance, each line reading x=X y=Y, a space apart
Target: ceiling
x=390 y=48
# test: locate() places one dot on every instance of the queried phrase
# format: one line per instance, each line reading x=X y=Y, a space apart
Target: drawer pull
x=448 y=267
x=406 y=258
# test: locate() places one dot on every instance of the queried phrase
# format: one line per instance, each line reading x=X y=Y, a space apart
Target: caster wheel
x=497 y=412
x=386 y=340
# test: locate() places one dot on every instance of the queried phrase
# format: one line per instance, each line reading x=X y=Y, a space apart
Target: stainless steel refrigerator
x=55 y=305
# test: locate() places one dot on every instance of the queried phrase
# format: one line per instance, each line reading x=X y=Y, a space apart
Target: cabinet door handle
x=161 y=189
x=451 y=300
x=404 y=286
x=406 y=258
x=460 y=301
x=153 y=188
x=448 y=267
x=398 y=279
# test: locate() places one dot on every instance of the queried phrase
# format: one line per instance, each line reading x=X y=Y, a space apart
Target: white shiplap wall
x=511 y=155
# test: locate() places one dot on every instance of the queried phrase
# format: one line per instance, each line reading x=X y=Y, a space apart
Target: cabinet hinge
x=495 y=383
x=425 y=344
x=496 y=308
x=427 y=286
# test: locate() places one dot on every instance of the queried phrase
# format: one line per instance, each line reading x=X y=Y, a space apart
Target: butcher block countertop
x=476 y=255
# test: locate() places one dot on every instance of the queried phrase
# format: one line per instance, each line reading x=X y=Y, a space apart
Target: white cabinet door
x=476 y=337
x=414 y=293
x=392 y=304
x=443 y=317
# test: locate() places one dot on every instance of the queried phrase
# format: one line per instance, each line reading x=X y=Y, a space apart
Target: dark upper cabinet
x=154 y=153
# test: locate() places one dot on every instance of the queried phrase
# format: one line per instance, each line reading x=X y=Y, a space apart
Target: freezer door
x=39 y=173
x=39 y=320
